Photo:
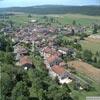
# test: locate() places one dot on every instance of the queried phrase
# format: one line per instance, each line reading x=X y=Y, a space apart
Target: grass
x=70 y=38
x=82 y=94
x=86 y=69
x=82 y=19
x=84 y=74
x=64 y=19
x=21 y=19
x=91 y=45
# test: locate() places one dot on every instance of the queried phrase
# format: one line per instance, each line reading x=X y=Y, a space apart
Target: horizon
x=28 y=3
x=47 y=5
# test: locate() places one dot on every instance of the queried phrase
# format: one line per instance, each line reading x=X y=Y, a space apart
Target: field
x=86 y=71
x=91 y=44
x=81 y=95
x=80 y=19
x=21 y=18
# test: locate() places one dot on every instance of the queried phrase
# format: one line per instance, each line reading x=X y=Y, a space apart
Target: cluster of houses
x=52 y=54
x=22 y=57
x=44 y=40
x=55 y=65
x=72 y=29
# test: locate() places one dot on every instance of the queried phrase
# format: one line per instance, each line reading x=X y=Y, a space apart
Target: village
x=40 y=37
x=58 y=46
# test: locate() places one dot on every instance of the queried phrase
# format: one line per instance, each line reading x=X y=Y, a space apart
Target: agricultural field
x=80 y=19
x=87 y=72
x=87 y=69
x=91 y=44
x=81 y=95
x=63 y=19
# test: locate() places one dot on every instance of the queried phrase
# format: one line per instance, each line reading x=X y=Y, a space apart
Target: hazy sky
x=14 y=3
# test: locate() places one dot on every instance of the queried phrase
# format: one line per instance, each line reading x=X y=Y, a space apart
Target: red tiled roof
x=58 y=69
x=25 y=60
x=49 y=50
x=58 y=53
x=52 y=58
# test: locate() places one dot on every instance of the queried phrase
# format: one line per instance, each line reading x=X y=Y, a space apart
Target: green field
x=83 y=94
x=93 y=46
x=21 y=19
x=80 y=19
x=63 y=19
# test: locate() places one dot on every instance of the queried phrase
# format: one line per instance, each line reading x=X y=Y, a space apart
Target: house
x=20 y=49
x=8 y=30
x=26 y=62
x=47 y=51
x=63 y=50
x=61 y=73
x=62 y=64
x=54 y=60
x=33 y=21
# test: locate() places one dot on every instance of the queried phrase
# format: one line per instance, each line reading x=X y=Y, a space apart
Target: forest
x=55 y=9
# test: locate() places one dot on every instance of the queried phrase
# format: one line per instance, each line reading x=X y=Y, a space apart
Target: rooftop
x=25 y=60
x=58 y=69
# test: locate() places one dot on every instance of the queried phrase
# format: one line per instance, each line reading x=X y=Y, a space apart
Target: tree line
x=55 y=9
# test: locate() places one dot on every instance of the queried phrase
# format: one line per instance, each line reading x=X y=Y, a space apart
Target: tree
x=72 y=32
x=83 y=35
x=2 y=25
x=77 y=46
x=55 y=92
x=8 y=58
x=97 y=53
x=66 y=87
x=87 y=87
x=59 y=39
x=20 y=89
x=11 y=23
x=87 y=55
x=6 y=86
x=22 y=98
x=95 y=59
x=29 y=16
x=79 y=54
x=95 y=28
x=74 y=22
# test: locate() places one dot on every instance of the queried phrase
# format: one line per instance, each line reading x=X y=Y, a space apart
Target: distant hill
x=55 y=9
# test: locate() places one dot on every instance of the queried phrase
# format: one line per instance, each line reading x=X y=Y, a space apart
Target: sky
x=21 y=3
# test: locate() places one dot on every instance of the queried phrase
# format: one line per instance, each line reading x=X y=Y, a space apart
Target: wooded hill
x=55 y=9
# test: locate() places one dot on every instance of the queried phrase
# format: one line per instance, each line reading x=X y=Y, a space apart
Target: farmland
x=91 y=44
x=22 y=18
x=86 y=71
x=80 y=19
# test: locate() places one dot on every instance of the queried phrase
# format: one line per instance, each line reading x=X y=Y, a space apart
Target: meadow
x=93 y=45
x=63 y=19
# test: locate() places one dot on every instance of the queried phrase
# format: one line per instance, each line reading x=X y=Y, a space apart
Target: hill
x=55 y=9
